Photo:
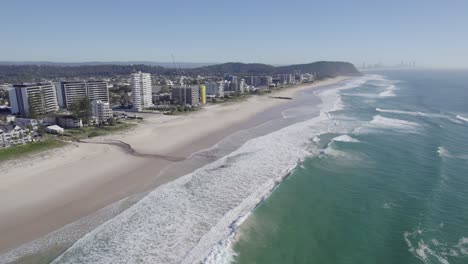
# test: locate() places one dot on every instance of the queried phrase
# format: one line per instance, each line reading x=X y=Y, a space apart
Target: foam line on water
x=462 y=118
x=380 y=123
x=414 y=113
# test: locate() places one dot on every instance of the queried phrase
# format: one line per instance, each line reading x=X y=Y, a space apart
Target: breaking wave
x=379 y=123
x=462 y=118
x=345 y=138
x=387 y=85
x=410 y=113
x=389 y=91
x=449 y=117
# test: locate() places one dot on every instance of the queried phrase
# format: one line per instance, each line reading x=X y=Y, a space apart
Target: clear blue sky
x=432 y=33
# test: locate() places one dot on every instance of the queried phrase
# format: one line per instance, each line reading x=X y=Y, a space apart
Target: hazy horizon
x=433 y=35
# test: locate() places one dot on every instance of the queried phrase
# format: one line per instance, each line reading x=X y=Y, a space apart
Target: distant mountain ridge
x=28 y=73
x=185 y=65
x=323 y=69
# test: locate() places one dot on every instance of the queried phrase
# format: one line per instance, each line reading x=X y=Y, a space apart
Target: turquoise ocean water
x=390 y=185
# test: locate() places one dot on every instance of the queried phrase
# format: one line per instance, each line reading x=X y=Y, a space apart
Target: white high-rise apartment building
x=69 y=93
x=40 y=98
x=141 y=90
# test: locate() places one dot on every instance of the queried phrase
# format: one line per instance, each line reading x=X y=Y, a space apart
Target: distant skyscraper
x=39 y=98
x=242 y=86
x=141 y=90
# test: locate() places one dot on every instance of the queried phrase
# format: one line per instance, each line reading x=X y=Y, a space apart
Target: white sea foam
x=389 y=205
x=393 y=123
x=435 y=250
x=462 y=118
x=345 y=138
x=411 y=113
x=194 y=218
x=380 y=123
x=443 y=152
x=399 y=112
x=389 y=91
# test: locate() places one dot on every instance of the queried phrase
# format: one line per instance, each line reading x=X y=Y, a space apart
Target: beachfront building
x=11 y=135
x=141 y=91
x=269 y=81
x=69 y=121
x=98 y=90
x=7 y=118
x=101 y=111
x=231 y=83
x=69 y=93
x=186 y=95
x=33 y=99
x=203 y=94
x=258 y=81
x=215 y=89
x=242 y=86
x=28 y=122
x=286 y=78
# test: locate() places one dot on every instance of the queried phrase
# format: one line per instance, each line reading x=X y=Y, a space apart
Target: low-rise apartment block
x=101 y=111
x=11 y=135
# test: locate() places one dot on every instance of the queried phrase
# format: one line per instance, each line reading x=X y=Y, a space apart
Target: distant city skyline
x=431 y=33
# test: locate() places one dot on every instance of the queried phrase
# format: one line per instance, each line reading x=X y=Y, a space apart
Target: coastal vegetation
x=82 y=110
x=35 y=147
x=50 y=142
x=96 y=131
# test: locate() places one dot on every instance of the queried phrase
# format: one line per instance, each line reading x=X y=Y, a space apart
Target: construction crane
x=178 y=73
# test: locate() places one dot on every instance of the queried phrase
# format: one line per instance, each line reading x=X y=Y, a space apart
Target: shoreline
x=146 y=138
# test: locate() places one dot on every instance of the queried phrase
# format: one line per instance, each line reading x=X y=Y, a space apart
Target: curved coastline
x=267 y=111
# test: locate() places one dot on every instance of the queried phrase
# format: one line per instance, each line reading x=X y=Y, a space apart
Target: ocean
x=370 y=170
x=390 y=187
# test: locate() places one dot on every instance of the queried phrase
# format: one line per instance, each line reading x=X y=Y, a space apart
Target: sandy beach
x=50 y=190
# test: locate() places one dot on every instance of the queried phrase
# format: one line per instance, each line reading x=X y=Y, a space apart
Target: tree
x=34 y=102
x=111 y=121
x=82 y=109
x=165 y=89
